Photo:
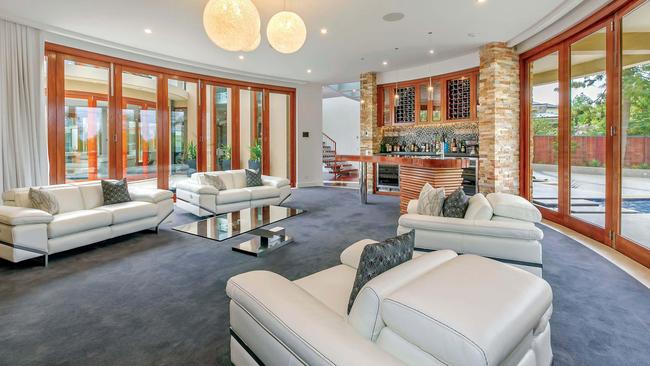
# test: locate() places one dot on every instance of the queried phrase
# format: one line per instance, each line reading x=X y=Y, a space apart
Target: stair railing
x=327 y=138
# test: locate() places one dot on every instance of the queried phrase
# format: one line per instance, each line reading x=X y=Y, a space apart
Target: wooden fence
x=590 y=150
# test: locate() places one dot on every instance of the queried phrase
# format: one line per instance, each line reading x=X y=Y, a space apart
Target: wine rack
x=458 y=99
x=405 y=105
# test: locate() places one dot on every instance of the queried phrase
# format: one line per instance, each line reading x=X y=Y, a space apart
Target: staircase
x=337 y=169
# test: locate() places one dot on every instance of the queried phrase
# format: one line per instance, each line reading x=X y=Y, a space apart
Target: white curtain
x=23 y=126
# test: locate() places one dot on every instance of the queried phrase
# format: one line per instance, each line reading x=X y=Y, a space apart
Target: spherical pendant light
x=255 y=44
x=233 y=25
x=286 y=32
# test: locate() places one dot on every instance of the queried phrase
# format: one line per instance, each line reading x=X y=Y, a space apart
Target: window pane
x=245 y=131
x=139 y=142
x=544 y=130
x=588 y=126
x=183 y=129
x=279 y=146
x=635 y=127
x=86 y=121
x=219 y=133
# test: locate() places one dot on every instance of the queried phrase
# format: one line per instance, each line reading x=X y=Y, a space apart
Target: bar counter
x=414 y=172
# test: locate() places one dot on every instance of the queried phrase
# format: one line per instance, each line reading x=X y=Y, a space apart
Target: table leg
x=363 y=182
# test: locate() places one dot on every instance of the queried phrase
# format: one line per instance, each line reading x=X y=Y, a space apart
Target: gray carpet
x=149 y=299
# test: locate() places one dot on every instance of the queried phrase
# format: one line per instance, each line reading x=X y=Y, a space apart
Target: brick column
x=498 y=115
x=370 y=133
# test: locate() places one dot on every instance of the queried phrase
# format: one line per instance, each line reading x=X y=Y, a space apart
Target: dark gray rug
x=149 y=299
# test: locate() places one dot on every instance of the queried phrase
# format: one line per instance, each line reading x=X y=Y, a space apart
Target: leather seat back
x=365 y=314
x=442 y=305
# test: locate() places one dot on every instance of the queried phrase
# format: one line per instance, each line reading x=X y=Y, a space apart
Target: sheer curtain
x=23 y=128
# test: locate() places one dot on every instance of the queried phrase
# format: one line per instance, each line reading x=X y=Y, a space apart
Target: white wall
x=308 y=103
x=437 y=68
x=309 y=149
x=341 y=118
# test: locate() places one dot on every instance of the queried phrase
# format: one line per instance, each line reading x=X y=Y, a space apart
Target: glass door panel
x=183 y=129
x=436 y=101
x=544 y=107
x=423 y=104
x=86 y=121
x=279 y=141
x=245 y=121
x=635 y=126
x=219 y=127
x=588 y=128
x=139 y=128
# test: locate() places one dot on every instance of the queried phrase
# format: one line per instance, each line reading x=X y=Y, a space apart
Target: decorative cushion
x=213 y=180
x=44 y=201
x=515 y=207
x=456 y=204
x=115 y=192
x=253 y=178
x=379 y=258
x=479 y=208
x=431 y=201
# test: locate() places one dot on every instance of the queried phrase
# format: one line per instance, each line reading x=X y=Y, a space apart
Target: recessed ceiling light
x=323 y=31
x=241 y=57
x=393 y=17
x=309 y=71
x=481 y=1
x=431 y=52
x=385 y=63
x=354 y=90
x=148 y=30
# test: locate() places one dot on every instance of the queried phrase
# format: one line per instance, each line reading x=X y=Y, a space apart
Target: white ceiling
x=355 y=31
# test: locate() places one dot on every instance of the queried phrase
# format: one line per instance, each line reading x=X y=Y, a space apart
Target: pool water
x=641 y=205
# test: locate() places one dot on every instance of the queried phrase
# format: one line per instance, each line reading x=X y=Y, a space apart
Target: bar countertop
x=412 y=161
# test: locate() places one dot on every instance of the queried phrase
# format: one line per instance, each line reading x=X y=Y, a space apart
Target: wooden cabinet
x=442 y=98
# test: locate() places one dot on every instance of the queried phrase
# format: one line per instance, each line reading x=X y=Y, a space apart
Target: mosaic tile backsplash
x=463 y=131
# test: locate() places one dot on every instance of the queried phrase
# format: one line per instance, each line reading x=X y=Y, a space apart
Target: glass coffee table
x=250 y=220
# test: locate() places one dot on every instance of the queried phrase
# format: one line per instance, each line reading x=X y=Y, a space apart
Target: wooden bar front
x=415 y=172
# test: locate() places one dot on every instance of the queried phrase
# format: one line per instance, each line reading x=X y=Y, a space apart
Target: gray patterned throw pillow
x=44 y=201
x=431 y=200
x=115 y=192
x=213 y=180
x=456 y=204
x=253 y=178
x=379 y=258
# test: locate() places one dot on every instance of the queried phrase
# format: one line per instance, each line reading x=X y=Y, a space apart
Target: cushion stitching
x=443 y=324
x=281 y=322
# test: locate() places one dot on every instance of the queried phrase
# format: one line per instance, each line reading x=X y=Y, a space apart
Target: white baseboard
x=315 y=183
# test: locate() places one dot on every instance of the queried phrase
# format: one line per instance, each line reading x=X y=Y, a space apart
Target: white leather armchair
x=499 y=226
x=437 y=309
x=203 y=199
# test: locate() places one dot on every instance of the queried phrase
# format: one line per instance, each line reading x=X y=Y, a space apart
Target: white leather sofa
x=82 y=219
x=437 y=309
x=204 y=200
x=499 y=226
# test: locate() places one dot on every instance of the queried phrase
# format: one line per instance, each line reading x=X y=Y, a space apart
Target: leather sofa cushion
x=479 y=208
x=233 y=196
x=261 y=192
x=365 y=316
x=77 y=221
x=92 y=194
x=129 y=211
x=69 y=198
x=505 y=304
x=238 y=178
x=332 y=287
x=516 y=207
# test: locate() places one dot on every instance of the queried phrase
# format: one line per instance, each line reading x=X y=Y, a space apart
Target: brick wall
x=370 y=133
x=498 y=114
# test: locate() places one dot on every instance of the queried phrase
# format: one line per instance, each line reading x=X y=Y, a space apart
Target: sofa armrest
x=499 y=229
x=150 y=195
x=351 y=255
x=14 y=216
x=412 y=207
x=276 y=182
x=192 y=186
x=312 y=331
